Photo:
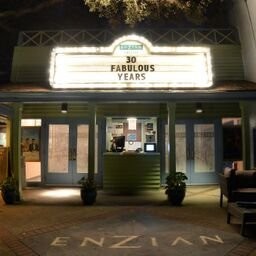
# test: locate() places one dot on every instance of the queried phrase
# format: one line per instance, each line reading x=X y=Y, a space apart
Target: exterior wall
x=6 y=110
x=183 y=110
x=131 y=173
x=227 y=62
x=81 y=111
x=243 y=16
x=31 y=64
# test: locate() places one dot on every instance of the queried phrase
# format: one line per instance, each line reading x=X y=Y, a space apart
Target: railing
x=106 y=37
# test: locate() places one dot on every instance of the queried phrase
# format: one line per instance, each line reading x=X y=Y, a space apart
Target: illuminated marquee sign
x=130 y=62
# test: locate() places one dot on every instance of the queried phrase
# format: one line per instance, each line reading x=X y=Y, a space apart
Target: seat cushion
x=246 y=190
x=244 y=194
x=245 y=179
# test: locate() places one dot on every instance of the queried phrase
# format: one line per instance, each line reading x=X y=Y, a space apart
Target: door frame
x=73 y=123
x=201 y=178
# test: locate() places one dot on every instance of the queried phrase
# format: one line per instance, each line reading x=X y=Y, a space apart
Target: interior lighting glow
x=61 y=193
x=199 y=108
x=31 y=122
x=64 y=108
x=132 y=123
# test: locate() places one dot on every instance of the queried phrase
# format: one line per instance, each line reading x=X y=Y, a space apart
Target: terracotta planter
x=176 y=196
x=9 y=196
x=88 y=196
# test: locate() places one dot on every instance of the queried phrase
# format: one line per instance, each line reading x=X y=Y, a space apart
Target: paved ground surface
x=54 y=222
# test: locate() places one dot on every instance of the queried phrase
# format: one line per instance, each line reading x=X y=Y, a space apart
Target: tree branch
x=24 y=11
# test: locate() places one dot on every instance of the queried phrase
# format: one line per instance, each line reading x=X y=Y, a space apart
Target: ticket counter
x=131 y=172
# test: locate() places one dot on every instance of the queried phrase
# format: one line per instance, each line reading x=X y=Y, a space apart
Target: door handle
x=70 y=154
x=192 y=154
x=74 y=154
x=188 y=152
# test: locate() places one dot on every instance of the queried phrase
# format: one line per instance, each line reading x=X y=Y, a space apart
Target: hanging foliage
x=118 y=12
x=133 y=12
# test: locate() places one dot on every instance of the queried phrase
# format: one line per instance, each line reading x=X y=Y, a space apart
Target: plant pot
x=9 y=196
x=176 y=196
x=88 y=196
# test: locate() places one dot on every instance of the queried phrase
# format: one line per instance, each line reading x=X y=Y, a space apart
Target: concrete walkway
x=53 y=221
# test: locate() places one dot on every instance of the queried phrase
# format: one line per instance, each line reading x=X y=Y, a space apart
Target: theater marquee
x=130 y=62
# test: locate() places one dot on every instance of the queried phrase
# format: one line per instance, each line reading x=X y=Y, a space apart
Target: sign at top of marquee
x=130 y=62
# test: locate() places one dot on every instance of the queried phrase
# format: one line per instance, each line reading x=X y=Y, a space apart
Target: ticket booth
x=132 y=160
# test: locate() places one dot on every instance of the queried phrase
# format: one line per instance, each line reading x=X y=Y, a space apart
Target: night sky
x=64 y=15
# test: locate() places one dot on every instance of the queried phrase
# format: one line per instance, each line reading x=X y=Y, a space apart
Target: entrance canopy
x=131 y=62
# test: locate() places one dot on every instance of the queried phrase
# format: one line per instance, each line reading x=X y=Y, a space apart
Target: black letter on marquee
x=130 y=59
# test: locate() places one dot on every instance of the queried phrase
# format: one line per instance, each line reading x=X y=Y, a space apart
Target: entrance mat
x=134 y=233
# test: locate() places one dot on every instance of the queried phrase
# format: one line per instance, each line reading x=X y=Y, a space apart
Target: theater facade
x=171 y=100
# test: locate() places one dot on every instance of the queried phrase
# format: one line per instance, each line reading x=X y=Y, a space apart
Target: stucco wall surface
x=243 y=17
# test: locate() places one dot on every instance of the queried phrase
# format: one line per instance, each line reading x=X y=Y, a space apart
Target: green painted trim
x=183 y=110
x=172 y=141
x=130 y=173
x=15 y=142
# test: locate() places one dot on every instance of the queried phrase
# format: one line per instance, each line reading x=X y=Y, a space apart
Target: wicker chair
x=237 y=186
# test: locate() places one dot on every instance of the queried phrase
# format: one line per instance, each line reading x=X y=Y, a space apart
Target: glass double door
x=67 y=152
x=197 y=151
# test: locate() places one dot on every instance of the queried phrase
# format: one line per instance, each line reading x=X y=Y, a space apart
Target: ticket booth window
x=136 y=132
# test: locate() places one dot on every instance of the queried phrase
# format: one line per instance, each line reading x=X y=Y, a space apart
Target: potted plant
x=175 y=187
x=9 y=190
x=88 y=191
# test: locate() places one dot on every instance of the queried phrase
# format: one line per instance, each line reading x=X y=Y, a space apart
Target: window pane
x=32 y=171
x=58 y=148
x=82 y=149
x=181 y=155
x=204 y=148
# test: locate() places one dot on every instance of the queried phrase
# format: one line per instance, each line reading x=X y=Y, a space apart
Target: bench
x=245 y=212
